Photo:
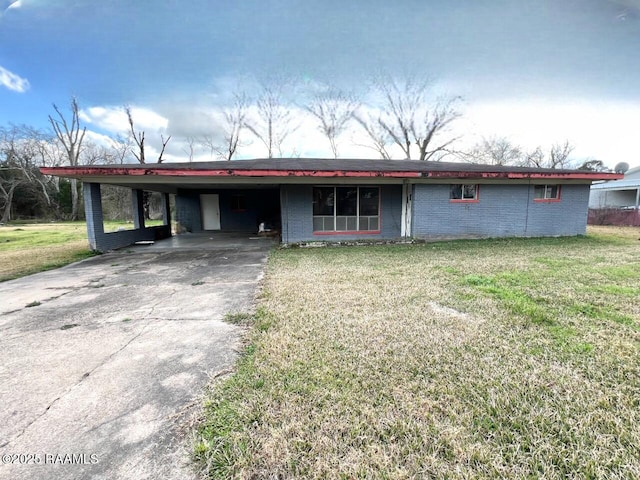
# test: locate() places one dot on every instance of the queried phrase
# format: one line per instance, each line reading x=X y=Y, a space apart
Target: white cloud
x=15 y=5
x=114 y=119
x=100 y=140
x=12 y=81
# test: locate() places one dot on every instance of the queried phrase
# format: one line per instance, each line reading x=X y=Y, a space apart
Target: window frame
x=357 y=231
x=476 y=199
x=547 y=187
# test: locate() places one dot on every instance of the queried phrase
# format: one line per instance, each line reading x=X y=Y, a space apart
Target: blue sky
x=537 y=72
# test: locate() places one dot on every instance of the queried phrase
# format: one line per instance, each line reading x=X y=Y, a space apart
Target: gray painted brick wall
x=297 y=215
x=188 y=211
x=503 y=211
x=101 y=241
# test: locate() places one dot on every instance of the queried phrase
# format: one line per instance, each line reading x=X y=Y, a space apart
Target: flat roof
x=632 y=184
x=323 y=167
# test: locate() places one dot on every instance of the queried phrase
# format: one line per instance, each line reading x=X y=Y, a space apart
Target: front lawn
x=511 y=358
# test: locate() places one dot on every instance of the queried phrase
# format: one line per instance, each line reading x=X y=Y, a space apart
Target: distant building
x=616 y=202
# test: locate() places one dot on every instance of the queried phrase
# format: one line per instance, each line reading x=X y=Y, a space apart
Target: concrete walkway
x=105 y=359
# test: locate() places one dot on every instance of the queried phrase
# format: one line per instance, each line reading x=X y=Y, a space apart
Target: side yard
x=471 y=359
x=27 y=248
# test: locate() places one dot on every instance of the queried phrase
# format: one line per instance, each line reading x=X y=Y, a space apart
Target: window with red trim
x=463 y=192
x=346 y=209
x=546 y=193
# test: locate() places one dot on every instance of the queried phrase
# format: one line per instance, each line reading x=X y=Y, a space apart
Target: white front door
x=210 y=207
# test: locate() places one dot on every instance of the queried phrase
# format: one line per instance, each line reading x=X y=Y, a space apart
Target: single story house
x=345 y=199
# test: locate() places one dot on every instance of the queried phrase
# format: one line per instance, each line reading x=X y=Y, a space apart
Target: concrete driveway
x=100 y=376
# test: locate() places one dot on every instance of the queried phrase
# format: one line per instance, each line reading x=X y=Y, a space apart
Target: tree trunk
x=74 y=199
x=146 y=204
x=6 y=214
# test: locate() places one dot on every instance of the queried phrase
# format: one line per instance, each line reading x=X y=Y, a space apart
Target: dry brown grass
x=16 y=263
x=30 y=248
x=498 y=359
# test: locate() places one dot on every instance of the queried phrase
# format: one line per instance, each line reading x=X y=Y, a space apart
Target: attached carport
x=205 y=200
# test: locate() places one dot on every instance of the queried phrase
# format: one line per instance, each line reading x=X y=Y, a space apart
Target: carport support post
x=93 y=213
x=137 y=208
x=166 y=209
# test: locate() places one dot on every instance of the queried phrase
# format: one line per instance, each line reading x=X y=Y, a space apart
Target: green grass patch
x=239 y=318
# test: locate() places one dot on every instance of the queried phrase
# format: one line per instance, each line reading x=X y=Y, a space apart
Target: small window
x=464 y=193
x=546 y=193
x=238 y=203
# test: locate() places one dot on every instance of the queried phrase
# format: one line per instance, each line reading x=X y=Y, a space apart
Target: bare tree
x=22 y=150
x=121 y=148
x=333 y=110
x=94 y=154
x=558 y=156
x=139 y=138
x=71 y=136
x=232 y=124
x=534 y=158
x=211 y=144
x=594 y=166
x=406 y=119
x=273 y=121
x=12 y=173
x=139 y=154
x=190 y=148
x=10 y=178
x=494 y=151
x=164 y=146
x=375 y=130
x=234 y=118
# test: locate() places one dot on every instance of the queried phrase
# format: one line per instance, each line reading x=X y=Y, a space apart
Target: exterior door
x=210 y=207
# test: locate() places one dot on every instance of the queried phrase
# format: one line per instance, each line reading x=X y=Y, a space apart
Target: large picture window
x=546 y=193
x=346 y=209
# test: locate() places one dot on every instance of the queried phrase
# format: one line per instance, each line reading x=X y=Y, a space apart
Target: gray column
x=137 y=208
x=93 y=213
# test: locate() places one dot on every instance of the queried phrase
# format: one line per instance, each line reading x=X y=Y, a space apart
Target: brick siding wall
x=502 y=211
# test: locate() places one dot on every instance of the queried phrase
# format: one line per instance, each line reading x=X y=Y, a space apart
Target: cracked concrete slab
x=113 y=355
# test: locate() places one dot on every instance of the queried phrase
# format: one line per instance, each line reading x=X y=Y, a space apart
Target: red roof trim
x=80 y=171
x=526 y=175
x=172 y=172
